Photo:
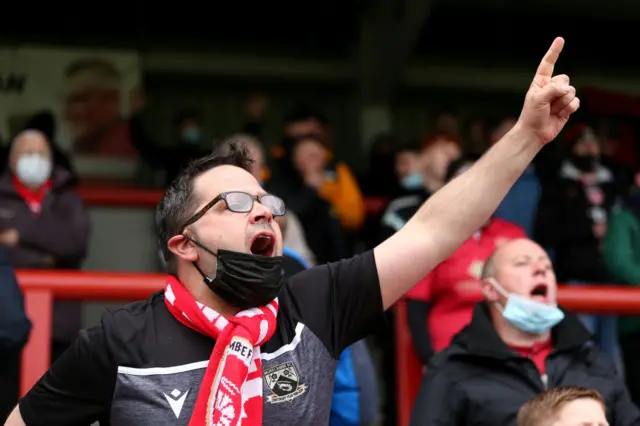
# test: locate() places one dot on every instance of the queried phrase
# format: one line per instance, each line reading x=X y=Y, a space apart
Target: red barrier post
x=40 y=288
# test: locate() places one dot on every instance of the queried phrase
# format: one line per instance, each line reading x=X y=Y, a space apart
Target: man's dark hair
x=302 y=112
x=179 y=202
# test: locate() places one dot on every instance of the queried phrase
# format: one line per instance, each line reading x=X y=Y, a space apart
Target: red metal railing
x=42 y=287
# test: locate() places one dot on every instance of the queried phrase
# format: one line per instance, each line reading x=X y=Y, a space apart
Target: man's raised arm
x=15 y=419
x=459 y=209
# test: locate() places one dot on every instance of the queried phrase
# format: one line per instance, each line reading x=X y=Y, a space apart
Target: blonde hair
x=544 y=409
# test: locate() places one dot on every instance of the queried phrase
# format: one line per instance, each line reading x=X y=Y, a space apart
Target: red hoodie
x=453 y=287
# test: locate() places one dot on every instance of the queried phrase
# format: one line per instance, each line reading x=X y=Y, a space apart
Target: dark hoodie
x=57 y=238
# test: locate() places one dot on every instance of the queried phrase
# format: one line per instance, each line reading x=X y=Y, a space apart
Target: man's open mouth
x=263 y=244
x=539 y=292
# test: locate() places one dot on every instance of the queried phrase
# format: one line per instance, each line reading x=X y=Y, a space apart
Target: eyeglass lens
x=240 y=202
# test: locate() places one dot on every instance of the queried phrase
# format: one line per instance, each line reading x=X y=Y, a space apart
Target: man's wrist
x=525 y=137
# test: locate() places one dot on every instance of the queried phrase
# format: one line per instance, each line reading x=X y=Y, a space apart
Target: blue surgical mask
x=412 y=181
x=528 y=315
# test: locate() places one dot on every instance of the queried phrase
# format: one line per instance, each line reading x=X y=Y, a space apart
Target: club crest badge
x=284 y=382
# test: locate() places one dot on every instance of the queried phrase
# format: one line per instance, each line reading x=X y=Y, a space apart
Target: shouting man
x=230 y=341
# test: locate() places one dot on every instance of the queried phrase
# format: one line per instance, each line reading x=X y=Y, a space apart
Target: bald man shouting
x=519 y=344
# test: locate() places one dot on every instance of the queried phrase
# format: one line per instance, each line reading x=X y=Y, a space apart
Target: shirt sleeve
x=78 y=388
x=340 y=302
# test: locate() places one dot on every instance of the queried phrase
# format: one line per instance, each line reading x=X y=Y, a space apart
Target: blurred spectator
x=612 y=149
x=14 y=332
x=438 y=151
x=170 y=158
x=355 y=390
x=255 y=111
x=566 y=406
x=478 y=140
x=447 y=122
x=43 y=222
x=333 y=182
x=45 y=122
x=520 y=205
x=408 y=171
x=293 y=261
x=381 y=179
x=519 y=344
x=442 y=303
x=572 y=221
x=379 y=185
x=318 y=202
x=259 y=167
x=419 y=174
x=621 y=249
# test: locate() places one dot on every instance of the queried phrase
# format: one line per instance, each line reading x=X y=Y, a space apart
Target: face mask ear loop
x=500 y=290
x=195 y=264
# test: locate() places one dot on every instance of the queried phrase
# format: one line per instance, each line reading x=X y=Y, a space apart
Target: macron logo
x=176 y=401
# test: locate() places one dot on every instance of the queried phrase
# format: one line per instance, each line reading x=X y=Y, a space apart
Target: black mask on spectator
x=585 y=163
x=244 y=280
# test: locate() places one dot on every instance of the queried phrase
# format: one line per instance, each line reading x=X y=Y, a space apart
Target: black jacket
x=564 y=225
x=478 y=380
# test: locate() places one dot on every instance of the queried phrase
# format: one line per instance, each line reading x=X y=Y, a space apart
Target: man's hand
x=9 y=237
x=550 y=100
x=459 y=209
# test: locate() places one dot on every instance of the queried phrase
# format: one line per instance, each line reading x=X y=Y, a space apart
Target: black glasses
x=241 y=202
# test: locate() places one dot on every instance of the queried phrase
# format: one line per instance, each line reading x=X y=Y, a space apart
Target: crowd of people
x=484 y=319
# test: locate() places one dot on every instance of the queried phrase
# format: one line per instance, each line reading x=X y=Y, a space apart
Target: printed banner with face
x=86 y=93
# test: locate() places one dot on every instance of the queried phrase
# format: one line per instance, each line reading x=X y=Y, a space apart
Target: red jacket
x=453 y=287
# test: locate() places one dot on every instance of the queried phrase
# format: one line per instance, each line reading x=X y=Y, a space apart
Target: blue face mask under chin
x=412 y=181
x=528 y=315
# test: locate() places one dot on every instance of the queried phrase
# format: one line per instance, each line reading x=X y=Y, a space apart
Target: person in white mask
x=43 y=222
x=519 y=344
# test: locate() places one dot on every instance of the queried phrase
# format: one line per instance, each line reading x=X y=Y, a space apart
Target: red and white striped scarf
x=231 y=390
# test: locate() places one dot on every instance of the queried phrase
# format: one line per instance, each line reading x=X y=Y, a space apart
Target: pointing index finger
x=545 y=69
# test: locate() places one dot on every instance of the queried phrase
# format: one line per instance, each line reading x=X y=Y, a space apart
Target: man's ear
x=489 y=291
x=182 y=248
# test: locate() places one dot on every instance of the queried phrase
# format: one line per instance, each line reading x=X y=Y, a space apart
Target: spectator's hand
x=599 y=230
x=9 y=237
x=550 y=100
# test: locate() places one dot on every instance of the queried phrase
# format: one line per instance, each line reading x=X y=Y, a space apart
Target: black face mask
x=585 y=163
x=244 y=280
